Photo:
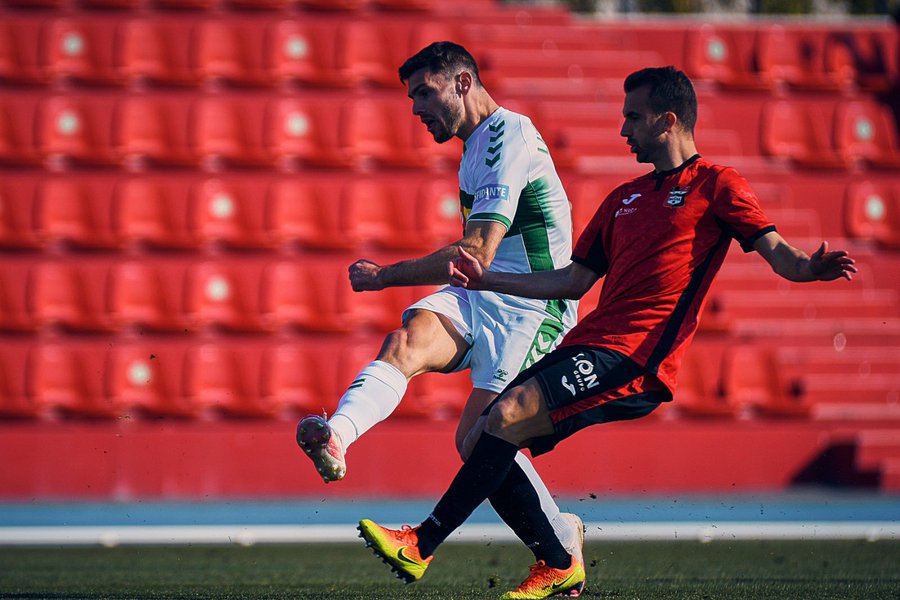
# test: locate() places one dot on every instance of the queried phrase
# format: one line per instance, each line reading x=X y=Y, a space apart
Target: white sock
x=370 y=399
x=548 y=504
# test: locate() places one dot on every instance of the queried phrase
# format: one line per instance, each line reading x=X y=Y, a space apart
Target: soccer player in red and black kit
x=659 y=241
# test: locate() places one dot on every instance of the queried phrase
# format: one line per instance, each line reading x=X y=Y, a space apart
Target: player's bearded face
x=642 y=128
x=436 y=104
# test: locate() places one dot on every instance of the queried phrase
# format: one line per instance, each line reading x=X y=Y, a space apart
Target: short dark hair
x=440 y=57
x=670 y=91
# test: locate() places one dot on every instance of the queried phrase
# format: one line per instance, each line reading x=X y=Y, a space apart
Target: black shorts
x=586 y=385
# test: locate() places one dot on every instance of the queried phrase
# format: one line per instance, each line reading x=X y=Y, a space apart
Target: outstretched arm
x=481 y=239
x=795 y=265
x=570 y=282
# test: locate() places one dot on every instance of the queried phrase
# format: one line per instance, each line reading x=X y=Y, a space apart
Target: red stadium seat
x=14 y=294
x=18 y=145
x=146 y=378
x=67 y=378
x=224 y=379
x=149 y=295
x=867 y=131
x=81 y=49
x=383 y=130
x=304 y=52
x=586 y=195
x=725 y=55
x=231 y=212
x=70 y=295
x=314 y=213
x=302 y=130
x=866 y=52
x=154 y=131
x=225 y=294
x=700 y=393
x=18 y=199
x=382 y=311
x=751 y=380
x=407 y=214
x=366 y=56
x=794 y=131
x=230 y=131
x=19 y=55
x=157 y=50
x=310 y=295
x=231 y=50
x=16 y=401
x=76 y=129
x=436 y=396
x=872 y=212
x=294 y=379
x=77 y=212
x=154 y=212
x=796 y=57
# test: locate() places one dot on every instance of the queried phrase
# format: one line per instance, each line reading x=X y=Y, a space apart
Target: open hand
x=828 y=266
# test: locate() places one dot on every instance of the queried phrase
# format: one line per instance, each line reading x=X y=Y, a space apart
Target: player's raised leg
x=426 y=342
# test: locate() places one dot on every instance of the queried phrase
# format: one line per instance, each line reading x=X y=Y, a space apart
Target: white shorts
x=505 y=333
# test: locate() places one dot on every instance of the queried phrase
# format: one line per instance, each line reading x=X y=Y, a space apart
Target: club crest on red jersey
x=676 y=197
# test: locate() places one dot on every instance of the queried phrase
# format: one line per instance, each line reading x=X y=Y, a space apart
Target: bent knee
x=506 y=413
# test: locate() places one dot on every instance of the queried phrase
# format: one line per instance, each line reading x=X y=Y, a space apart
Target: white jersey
x=506 y=175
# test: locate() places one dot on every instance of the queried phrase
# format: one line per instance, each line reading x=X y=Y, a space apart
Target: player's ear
x=463 y=83
x=669 y=121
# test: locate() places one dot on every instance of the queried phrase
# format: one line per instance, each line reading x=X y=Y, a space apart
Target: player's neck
x=479 y=106
x=675 y=155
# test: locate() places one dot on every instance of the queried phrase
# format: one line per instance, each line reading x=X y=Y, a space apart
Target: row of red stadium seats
x=249 y=130
x=286 y=131
x=194 y=212
x=268 y=377
x=262 y=293
x=831 y=135
x=799 y=56
x=330 y=5
x=179 y=295
x=247 y=50
x=178 y=378
x=735 y=380
x=390 y=212
x=837 y=133
x=333 y=50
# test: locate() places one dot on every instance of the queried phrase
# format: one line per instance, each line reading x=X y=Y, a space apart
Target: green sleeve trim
x=490 y=217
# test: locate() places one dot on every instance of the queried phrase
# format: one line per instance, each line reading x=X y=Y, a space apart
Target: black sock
x=477 y=479
x=519 y=505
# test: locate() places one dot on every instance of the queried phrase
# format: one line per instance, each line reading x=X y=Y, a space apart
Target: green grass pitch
x=686 y=570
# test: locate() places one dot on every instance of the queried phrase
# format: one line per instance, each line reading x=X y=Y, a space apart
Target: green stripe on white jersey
x=507 y=175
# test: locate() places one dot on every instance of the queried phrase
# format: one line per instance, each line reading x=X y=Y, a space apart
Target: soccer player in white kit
x=516 y=218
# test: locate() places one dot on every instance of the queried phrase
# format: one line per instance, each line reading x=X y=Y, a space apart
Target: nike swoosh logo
x=567 y=583
x=404 y=558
